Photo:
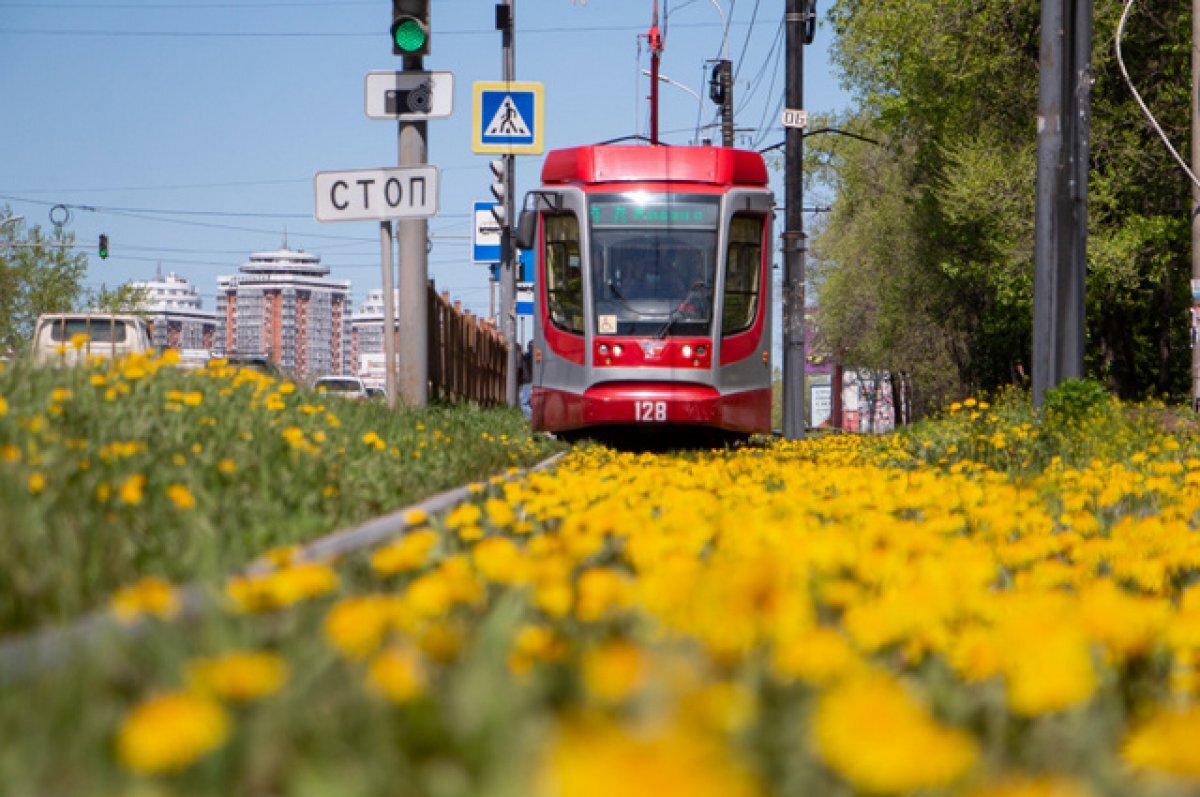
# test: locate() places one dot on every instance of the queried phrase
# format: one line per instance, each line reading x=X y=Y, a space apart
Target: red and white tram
x=652 y=289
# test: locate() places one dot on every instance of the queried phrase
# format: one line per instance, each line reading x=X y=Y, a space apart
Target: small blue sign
x=524 y=308
x=525 y=265
x=487 y=234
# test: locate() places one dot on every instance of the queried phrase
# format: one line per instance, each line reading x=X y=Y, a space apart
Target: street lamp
x=674 y=83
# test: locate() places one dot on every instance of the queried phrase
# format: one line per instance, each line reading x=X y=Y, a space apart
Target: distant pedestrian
x=525 y=379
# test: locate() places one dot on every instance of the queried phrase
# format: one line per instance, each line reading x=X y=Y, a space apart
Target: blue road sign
x=524 y=308
x=487 y=234
x=508 y=118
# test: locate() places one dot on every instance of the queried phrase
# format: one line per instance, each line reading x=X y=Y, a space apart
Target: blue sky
x=189 y=131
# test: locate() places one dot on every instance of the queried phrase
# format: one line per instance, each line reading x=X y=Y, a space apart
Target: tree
x=926 y=263
x=41 y=274
x=125 y=298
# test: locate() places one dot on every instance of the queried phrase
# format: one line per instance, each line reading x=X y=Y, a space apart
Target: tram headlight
x=686 y=351
x=618 y=350
x=701 y=351
x=604 y=349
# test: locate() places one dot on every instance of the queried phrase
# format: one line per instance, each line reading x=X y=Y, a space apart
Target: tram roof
x=607 y=163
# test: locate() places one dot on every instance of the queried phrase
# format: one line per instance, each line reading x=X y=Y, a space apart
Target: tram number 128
x=649 y=411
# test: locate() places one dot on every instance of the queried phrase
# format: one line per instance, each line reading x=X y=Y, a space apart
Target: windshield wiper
x=674 y=315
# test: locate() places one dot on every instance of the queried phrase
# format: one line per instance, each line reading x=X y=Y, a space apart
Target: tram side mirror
x=526 y=229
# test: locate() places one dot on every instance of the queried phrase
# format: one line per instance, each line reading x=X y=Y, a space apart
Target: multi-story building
x=283 y=306
x=366 y=331
x=172 y=308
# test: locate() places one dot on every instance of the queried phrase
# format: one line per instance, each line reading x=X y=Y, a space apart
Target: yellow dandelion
x=36 y=482
x=464 y=515
x=614 y=671
x=357 y=626
x=1166 y=742
x=132 y=490
x=398 y=674
x=227 y=467
x=281 y=588
x=872 y=733
x=1034 y=787
x=149 y=596
x=238 y=676
x=181 y=496
x=592 y=759
x=408 y=553
x=168 y=732
x=499 y=512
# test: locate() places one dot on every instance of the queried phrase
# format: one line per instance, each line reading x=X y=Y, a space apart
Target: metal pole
x=508 y=277
x=793 y=236
x=1195 y=199
x=413 y=235
x=727 y=102
x=1060 y=232
x=387 y=264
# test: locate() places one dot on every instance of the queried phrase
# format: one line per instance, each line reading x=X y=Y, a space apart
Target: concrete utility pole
x=413 y=238
x=800 y=18
x=506 y=22
x=1195 y=99
x=389 y=313
x=1060 y=234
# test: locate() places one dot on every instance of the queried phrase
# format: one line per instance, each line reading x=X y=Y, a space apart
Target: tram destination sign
x=398 y=192
x=622 y=211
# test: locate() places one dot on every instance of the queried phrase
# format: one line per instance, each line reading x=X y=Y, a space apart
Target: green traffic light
x=408 y=34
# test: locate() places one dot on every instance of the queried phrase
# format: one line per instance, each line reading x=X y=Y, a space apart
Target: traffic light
x=410 y=27
x=103 y=247
x=500 y=190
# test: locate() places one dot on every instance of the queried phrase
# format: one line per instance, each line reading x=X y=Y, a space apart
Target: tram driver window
x=564 y=272
x=743 y=284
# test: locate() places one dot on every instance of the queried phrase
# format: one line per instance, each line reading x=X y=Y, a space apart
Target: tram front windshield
x=654 y=262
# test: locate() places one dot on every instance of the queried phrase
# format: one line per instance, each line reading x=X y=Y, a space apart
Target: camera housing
x=415 y=100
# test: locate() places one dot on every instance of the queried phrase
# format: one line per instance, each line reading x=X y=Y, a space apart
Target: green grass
x=112 y=474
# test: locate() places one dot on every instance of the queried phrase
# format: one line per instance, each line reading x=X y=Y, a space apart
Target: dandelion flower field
x=997 y=604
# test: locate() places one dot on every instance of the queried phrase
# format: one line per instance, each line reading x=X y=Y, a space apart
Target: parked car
x=345 y=386
x=264 y=365
x=70 y=338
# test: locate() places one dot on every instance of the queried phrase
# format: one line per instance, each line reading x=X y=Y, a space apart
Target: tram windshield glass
x=654 y=262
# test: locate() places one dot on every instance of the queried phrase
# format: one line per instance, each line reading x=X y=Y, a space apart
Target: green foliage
x=1074 y=402
x=42 y=275
x=926 y=263
x=89 y=458
x=1079 y=423
x=125 y=298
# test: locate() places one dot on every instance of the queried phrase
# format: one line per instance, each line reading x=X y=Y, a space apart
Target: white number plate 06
x=649 y=411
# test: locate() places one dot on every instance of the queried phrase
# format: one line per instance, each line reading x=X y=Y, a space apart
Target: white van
x=103 y=335
x=343 y=386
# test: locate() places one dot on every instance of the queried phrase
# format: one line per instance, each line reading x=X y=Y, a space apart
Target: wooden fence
x=468 y=359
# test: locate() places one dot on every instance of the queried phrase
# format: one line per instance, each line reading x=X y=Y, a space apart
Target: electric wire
x=1138 y=97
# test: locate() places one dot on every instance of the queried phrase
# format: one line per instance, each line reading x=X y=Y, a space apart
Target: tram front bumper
x=650 y=404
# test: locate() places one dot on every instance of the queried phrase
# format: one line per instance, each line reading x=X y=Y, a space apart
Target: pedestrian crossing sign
x=508 y=118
